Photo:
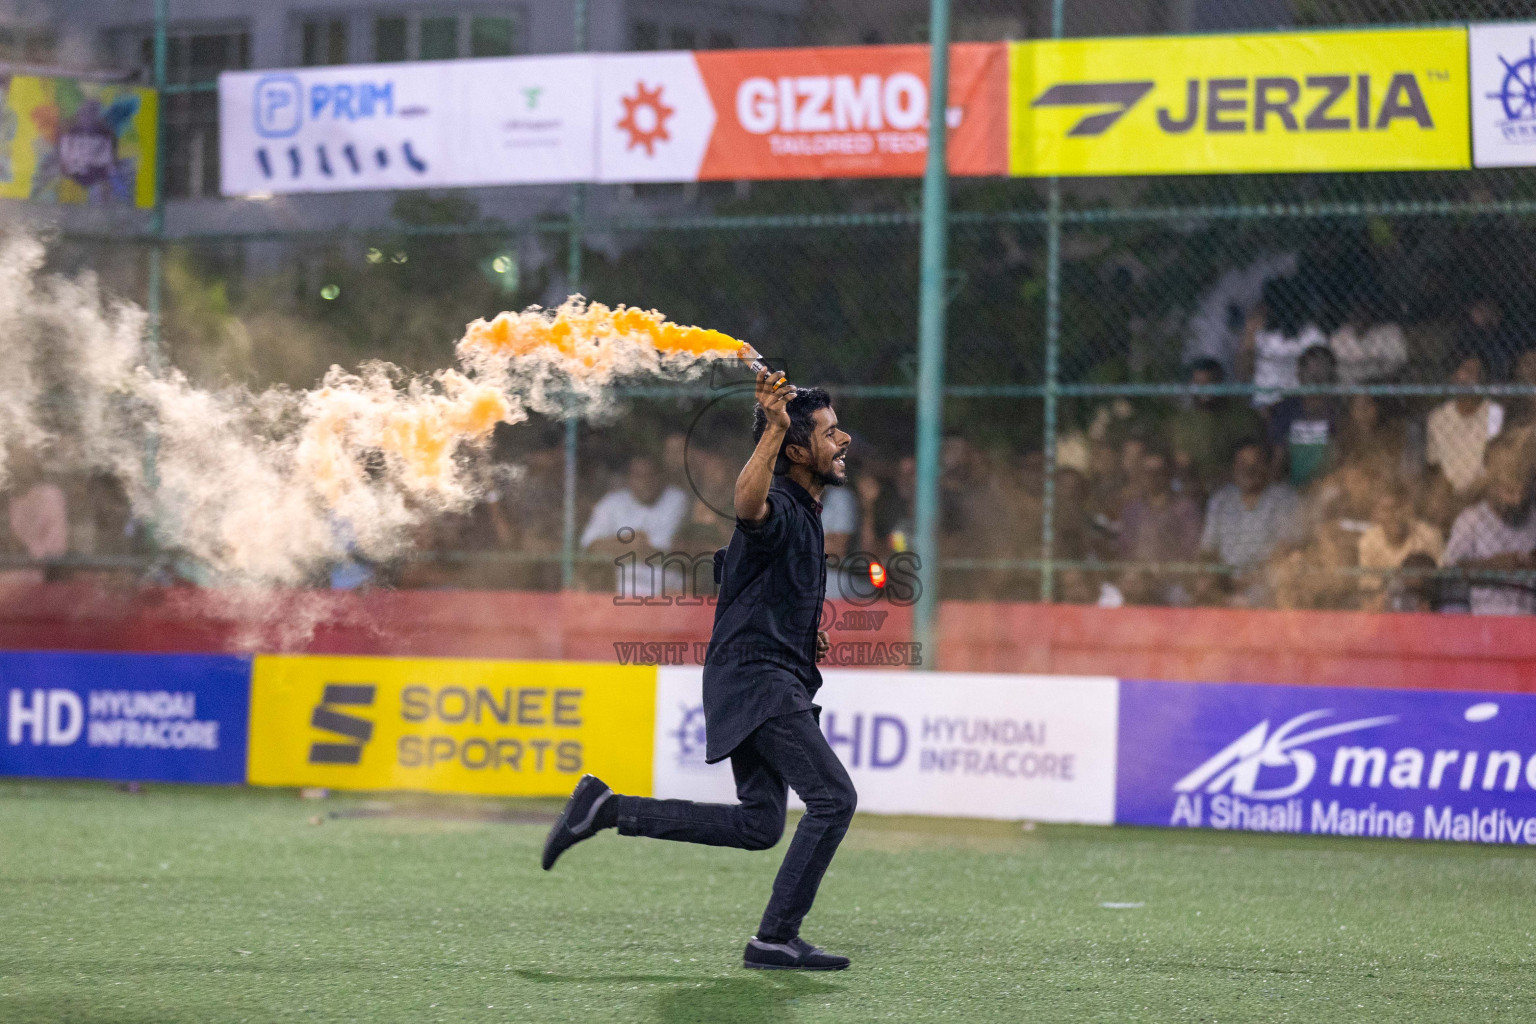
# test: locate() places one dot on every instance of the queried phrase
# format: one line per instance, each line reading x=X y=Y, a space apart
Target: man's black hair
x=1253 y=441
x=1318 y=352
x=1206 y=364
x=800 y=408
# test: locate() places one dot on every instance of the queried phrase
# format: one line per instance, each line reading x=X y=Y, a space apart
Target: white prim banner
x=494 y=121
x=1503 y=82
x=950 y=744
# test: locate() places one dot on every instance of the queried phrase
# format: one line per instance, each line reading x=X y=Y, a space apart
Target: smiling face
x=827 y=456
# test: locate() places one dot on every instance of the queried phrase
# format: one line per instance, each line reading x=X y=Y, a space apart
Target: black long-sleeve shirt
x=762 y=652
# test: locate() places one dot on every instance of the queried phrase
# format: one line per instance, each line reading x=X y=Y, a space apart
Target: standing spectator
x=1485 y=333
x=1395 y=536
x=1216 y=328
x=1368 y=350
x=1459 y=430
x=1303 y=428
x=1247 y=520
x=1205 y=433
x=1278 y=332
x=637 y=520
x=1157 y=526
x=1498 y=534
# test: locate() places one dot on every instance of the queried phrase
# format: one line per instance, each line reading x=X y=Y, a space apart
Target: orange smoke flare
x=595 y=337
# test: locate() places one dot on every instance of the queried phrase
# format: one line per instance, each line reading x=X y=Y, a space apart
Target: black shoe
x=578 y=820
x=794 y=955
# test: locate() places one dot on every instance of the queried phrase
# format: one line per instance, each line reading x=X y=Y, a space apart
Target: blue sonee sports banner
x=1351 y=762
x=146 y=717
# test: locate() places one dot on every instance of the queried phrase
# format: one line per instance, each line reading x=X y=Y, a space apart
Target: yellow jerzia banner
x=1321 y=101
x=506 y=728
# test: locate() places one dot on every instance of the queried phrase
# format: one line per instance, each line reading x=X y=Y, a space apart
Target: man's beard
x=830 y=479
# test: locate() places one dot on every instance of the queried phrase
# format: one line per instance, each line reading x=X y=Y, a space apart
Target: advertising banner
x=825 y=112
x=1318 y=101
x=494 y=121
x=1403 y=764
x=951 y=744
x=135 y=717
x=523 y=728
x=63 y=140
x=1503 y=69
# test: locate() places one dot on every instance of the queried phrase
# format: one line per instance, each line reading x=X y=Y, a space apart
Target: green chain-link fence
x=1168 y=442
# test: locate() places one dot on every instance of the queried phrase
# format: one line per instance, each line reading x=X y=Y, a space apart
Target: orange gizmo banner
x=524 y=728
x=825 y=112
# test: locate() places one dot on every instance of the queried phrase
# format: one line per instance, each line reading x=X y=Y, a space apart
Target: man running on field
x=759 y=678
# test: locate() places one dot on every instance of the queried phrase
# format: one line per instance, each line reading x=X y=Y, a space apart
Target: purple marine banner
x=1402 y=764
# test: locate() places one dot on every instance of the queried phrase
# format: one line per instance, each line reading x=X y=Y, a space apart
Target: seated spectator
x=38 y=516
x=898 y=507
x=1304 y=428
x=1374 y=429
x=1395 y=535
x=1368 y=350
x=1414 y=588
x=1279 y=330
x=1498 y=534
x=1204 y=433
x=1316 y=577
x=1459 y=431
x=1157 y=525
x=635 y=521
x=1522 y=409
x=1248 y=519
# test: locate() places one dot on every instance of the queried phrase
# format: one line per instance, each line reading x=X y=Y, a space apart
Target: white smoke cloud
x=263 y=488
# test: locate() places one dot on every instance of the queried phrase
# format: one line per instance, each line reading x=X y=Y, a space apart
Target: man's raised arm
x=757 y=475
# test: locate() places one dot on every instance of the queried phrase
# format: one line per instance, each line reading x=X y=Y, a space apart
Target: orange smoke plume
x=592 y=337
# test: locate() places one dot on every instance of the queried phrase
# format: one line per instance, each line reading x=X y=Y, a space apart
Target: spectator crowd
x=1291 y=491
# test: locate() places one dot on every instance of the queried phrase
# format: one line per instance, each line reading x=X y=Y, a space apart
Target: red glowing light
x=877 y=574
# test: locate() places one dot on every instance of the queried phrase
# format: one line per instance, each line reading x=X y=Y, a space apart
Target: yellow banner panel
x=1321 y=101
x=507 y=728
x=63 y=140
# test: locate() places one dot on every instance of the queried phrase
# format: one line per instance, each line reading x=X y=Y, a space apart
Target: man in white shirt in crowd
x=1246 y=522
x=1498 y=534
x=634 y=522
x=1459 y=430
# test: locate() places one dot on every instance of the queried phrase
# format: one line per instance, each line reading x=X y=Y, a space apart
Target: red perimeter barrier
x=1198 y=645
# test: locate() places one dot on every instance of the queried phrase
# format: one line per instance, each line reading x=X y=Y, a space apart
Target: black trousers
x=787 y=750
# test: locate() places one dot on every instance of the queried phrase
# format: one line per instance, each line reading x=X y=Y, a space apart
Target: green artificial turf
x=203 y=905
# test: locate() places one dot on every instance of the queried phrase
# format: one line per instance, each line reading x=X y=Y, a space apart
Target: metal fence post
x=576 y=229
x=1052 y=360
x=157 y=213
x=930 y=337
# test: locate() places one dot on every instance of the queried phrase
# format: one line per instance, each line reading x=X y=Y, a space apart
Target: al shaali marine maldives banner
x=64 y=140
x=1503 y=65
x=1403 y=764
x=169 y=717
x=1392 y=99
x=430 y=124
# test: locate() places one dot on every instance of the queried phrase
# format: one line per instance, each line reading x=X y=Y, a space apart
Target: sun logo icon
x=645 y=118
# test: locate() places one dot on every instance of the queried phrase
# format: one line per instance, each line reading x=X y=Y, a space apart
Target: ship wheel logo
x=645 y=118
x=1518 y=91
